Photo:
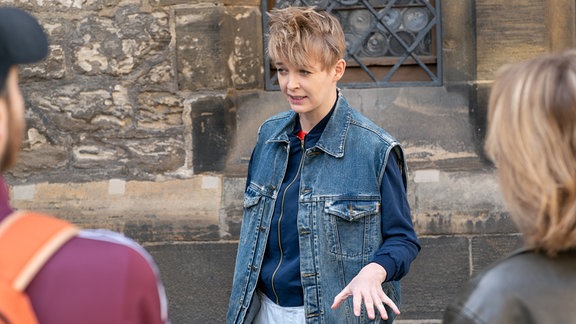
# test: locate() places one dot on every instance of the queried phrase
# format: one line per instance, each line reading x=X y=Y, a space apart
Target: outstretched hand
x=367 y=287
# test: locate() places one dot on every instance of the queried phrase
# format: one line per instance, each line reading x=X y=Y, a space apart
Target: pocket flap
x=251 y=197
x=352 y=209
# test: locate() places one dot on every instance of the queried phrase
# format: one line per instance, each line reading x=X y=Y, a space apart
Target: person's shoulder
x=115 y=244
x=117 y=266
x=483 y=297
x=123 y=255
x=508 y=274
x=526 y=262
x=517 y=286
x=104 y=235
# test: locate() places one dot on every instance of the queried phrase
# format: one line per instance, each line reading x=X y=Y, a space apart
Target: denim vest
x=339 y=214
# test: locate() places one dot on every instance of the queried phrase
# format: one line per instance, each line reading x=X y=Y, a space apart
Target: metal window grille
x=389 y=43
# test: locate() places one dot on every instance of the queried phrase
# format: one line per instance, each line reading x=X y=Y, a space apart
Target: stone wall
x=143 y=117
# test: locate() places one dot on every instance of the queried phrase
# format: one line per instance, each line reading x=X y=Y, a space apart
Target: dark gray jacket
x=526 y=287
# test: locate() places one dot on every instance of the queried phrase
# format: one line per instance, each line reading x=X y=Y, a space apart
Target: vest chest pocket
x=352 y=227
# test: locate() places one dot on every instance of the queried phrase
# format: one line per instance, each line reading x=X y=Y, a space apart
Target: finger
x=345 y=293
x=357 y=303
x=369 y=303
x=382 y=310
x=386 y=300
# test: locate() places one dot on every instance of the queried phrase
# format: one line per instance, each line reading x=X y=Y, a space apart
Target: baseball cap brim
x=22 y=40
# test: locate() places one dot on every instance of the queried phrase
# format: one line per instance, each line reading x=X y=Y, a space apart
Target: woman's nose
x=292 y=82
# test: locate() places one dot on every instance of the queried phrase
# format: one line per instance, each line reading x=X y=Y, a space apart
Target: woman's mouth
x=296 y=99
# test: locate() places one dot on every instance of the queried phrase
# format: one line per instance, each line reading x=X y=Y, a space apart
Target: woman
x=321 y=176
x=532 y=141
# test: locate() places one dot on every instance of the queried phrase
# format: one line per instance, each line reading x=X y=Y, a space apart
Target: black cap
x=22 y=40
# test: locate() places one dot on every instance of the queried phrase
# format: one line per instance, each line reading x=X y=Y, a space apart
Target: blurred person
x=98 y=276
x=531 y=139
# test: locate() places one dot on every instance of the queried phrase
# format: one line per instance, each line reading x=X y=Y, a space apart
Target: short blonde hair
x=532 y=140
x=300 y=34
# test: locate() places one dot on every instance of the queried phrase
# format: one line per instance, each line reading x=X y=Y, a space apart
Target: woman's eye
x=281 y=71
x=303 y=72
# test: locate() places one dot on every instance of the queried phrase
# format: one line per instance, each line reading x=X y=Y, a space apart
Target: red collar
x=301 y=134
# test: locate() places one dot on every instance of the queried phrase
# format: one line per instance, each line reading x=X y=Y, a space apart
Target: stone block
x=200 y=63
x=119 y=45
x=244 y=51
x=509 y=31
x=159 y=110
x=458 y=40
x=78 y=109
x=218 y=48
x=252 y=109
x=440 y=269
x=152 y=154
x=42 y=160
x=160 y=77
x=93 y=155
x=197 y=279
x=53 y=67
x=213 y=127
x=58 y=29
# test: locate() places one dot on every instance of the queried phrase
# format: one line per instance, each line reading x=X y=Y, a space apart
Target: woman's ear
x=12 y=123
x=4 y=133
x=339 y=69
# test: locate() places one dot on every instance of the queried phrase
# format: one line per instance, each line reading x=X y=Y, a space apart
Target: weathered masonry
x=143 y=117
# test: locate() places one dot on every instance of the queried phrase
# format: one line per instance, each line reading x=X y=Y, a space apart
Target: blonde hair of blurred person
x=532 y=140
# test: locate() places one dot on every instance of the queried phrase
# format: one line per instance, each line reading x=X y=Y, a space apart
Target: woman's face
x=311 y=91
x=11 y=115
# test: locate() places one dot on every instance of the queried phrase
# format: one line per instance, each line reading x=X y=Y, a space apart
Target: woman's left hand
x=367 y=287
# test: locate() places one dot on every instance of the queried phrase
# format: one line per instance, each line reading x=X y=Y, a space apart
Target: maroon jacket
x=97 y=277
